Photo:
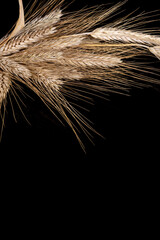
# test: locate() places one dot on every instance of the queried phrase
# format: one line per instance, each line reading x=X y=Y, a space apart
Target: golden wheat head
x=65 y=55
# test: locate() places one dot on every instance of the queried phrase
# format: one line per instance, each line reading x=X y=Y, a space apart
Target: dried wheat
x=61 y=55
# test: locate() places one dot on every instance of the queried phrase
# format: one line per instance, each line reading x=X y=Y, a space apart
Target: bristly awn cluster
x=63 y=56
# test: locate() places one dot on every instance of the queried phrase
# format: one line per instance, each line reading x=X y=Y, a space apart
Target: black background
x=130 y=124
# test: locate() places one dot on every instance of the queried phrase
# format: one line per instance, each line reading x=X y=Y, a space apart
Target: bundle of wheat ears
x=63 y=56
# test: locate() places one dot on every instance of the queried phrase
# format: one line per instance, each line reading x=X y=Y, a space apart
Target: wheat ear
x=126 y=36
x=64 y=57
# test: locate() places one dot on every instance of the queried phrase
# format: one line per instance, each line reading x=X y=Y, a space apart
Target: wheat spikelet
x=60 y=55
x=5 y=83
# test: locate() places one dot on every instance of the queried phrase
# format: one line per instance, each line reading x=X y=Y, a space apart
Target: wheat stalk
x=58 y=56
